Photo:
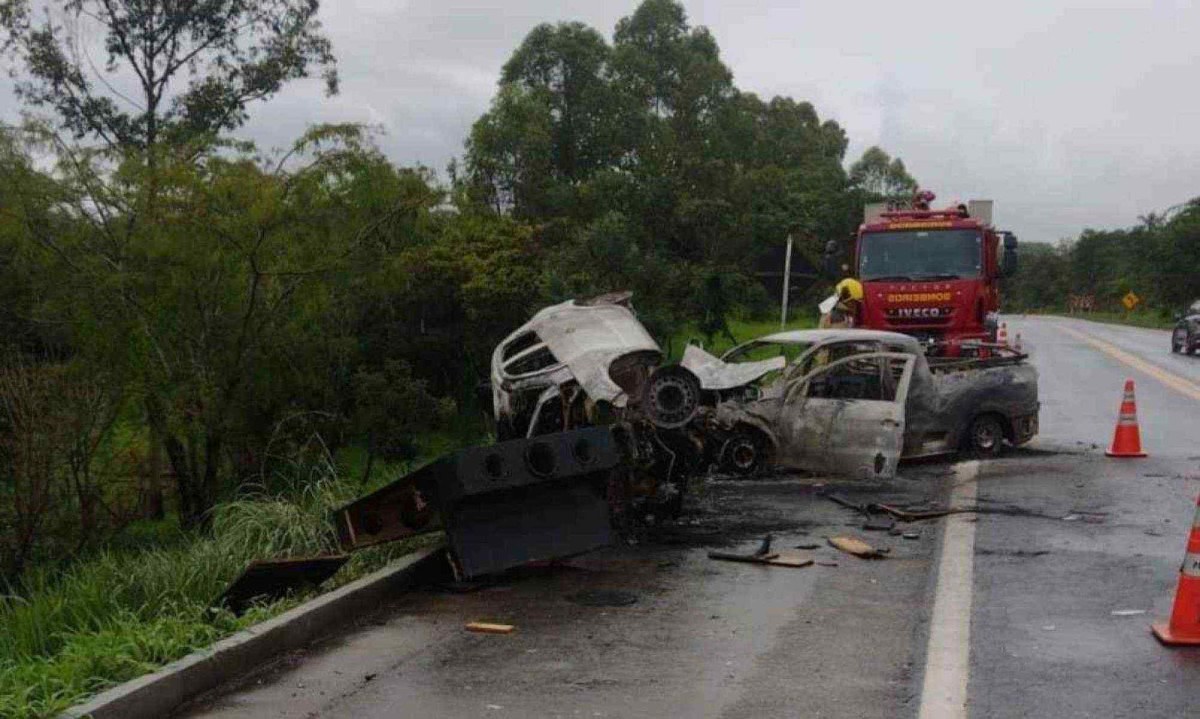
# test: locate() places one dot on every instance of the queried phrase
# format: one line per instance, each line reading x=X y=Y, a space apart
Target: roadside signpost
x=1130 y=300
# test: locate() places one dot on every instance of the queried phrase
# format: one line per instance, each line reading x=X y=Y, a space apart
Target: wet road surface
x=1026 y=590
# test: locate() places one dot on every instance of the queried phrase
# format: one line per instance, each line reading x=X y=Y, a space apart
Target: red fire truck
x=932 y=274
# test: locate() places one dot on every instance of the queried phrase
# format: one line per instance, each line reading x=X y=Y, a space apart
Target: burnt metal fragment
x=272 y=579
x=500 y=506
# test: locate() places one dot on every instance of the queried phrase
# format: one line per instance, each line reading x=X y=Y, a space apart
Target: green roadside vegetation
x=124 y=611
x=1158 y=260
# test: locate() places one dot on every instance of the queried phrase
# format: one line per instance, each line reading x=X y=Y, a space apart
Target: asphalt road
x=1008 y=613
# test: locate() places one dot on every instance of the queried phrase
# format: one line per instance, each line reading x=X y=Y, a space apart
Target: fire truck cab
x=932 y=274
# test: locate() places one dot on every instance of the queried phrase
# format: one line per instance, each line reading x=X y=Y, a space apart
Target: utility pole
x=787 y=276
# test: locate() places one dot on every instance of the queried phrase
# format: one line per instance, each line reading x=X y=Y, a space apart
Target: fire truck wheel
x=985 y=438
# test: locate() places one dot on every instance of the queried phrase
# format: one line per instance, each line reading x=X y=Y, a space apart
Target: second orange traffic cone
x=1184 y=625
x=1002 y=334
x=1127 y=439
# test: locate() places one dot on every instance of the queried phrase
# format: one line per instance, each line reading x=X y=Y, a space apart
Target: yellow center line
x=1174 y=381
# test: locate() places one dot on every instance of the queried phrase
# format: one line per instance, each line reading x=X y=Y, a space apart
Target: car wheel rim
x=985 y=436
x=743 y=455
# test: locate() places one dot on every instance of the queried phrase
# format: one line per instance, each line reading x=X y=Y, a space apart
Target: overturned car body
x=855 y=402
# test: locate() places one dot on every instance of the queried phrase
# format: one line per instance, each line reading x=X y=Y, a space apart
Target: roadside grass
x=120 y=614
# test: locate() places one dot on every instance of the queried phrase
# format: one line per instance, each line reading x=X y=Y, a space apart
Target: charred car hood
x=716 y=375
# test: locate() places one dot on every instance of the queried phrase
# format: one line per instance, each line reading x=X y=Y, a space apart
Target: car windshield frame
x=875 y=262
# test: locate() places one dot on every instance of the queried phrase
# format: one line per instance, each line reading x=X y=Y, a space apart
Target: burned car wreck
x=595 y=433
x=592 y=363
x=839 y=401
x=856 y=402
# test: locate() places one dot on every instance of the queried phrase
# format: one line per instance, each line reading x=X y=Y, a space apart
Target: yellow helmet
x=849 y=289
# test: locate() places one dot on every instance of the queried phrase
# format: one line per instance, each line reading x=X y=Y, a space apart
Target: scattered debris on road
x=1128 y=612
x=877 y=524
x=857 y=547
x=787 y=559
x=489 y=628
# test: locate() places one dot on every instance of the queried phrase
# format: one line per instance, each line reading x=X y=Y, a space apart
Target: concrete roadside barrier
x=158 y=694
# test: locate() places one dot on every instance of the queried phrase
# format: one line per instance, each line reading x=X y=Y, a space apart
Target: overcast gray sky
x=1067 y=114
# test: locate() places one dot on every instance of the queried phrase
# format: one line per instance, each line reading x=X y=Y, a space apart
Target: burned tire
x=745 y=454
x=672 y=397
x=985 y=436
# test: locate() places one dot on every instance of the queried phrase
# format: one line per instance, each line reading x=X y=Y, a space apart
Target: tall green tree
x=568 y=65
x=882 y=176
x=168 y=69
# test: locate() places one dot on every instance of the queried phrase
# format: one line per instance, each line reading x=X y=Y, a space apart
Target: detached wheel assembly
x=672 y=397
x=985 y=438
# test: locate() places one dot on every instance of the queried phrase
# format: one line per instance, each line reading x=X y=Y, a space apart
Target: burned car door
x=847 y=417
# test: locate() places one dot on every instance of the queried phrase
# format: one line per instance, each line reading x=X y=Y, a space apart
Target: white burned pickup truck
x=855 y=402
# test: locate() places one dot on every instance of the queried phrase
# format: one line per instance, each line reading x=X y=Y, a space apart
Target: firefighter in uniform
x=849 y=294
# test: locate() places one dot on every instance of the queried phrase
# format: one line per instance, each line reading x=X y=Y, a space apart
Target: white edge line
x=948 y=655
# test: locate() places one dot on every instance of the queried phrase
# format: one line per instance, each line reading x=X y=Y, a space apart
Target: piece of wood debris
x=857 y=547
x=490 y=628
x=749 y=558
x=785 y=559
x=791 y=559
x=915 y=516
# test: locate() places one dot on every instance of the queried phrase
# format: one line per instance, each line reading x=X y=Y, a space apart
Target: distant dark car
x=1186 y=335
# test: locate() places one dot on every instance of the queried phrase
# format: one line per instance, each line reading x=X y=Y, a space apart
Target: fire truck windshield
x=915 y=255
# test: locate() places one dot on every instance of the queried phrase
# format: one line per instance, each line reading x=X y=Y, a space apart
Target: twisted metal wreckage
x=595 y=430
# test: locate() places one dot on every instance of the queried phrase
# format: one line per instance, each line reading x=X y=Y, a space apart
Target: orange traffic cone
x=1002 y=334
x=1127 y=439
x=1184 y=626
